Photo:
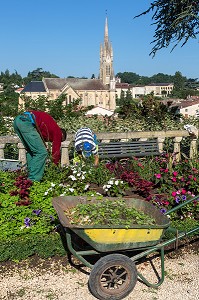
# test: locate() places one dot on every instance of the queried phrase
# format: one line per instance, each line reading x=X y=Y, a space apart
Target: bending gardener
x=86 y=145
x=34 y=128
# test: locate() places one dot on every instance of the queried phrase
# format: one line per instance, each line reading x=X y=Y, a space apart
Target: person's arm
x=96 y=160
x=56 y=147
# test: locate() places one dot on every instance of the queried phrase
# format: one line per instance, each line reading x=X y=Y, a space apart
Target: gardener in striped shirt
x=86 y=145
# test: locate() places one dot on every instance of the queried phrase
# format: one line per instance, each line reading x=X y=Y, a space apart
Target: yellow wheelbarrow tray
x=114 y=275
x=110 y=238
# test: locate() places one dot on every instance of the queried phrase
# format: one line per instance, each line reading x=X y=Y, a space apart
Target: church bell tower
x=106 y=59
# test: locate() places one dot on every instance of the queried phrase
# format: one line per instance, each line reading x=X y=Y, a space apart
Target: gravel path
x=56 y=280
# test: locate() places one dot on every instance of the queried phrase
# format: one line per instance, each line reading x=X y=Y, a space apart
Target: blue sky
x=64 y=37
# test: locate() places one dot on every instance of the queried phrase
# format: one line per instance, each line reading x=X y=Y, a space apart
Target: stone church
x=98 y=92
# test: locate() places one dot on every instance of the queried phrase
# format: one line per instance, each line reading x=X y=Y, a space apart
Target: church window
x=107 y=70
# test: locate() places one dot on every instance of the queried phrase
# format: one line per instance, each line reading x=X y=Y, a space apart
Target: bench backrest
x=128 y=149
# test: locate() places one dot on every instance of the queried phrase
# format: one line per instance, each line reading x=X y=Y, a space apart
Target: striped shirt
x=85 y=135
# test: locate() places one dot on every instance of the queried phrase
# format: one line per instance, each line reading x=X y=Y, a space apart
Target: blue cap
x=87 y=147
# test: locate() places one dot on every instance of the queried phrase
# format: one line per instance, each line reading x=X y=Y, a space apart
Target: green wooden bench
x=128 y=149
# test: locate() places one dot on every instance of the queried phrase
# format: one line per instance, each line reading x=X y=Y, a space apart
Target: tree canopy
x=176 y=21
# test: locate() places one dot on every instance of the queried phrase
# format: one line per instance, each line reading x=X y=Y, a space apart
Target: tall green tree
x=9 y=104
x=179 y=81
x=176 y=21
x=37 y=75
x=10 y=80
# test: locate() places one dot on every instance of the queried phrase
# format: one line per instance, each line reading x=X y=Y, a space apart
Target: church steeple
x=106 y=31
x=106 y=58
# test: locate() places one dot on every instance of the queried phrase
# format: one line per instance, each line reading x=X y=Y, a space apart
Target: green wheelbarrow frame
x=153 y=244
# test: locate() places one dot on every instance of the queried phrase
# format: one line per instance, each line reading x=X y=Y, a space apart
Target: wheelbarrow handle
x=181 y=205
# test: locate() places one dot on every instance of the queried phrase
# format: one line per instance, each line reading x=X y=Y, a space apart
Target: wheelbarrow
x=114 y=275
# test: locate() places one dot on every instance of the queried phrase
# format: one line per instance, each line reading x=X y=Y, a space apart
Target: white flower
x=98 y=193
x=72 y=177
x=52 y=184
x=108 y=186
x=86 y=187
x=78 y=174
x=64 y=193
x=83 y=177
x=110 y=182
x=46 y=193
x=116 y=182
x=86 y=219
x=74 y=171
x=71 y=190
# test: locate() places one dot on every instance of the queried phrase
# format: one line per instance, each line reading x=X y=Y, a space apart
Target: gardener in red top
x=34 y=128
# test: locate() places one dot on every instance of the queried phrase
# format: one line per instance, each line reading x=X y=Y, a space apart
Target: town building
x=97 y=92
x=101 y=92
x=158 y=89
x=187 y=108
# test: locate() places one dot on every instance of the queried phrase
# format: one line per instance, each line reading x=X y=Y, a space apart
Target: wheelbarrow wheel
x=112 y=277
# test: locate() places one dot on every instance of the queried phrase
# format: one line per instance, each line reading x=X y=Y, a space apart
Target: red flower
x=175 y=173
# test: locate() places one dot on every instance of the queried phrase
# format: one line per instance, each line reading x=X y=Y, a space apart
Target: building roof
x=34 y=86
x=75 y=83
x=160 y=84
x=97 y=110
x=185 y=103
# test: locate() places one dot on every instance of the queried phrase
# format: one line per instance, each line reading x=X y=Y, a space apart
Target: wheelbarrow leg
x=155 y=285
x=78 y=254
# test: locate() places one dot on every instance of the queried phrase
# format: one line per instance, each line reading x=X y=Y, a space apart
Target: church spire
x=106 y=30
x=106 y=58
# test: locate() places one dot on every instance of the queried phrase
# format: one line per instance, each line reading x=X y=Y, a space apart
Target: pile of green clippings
x=107 y=212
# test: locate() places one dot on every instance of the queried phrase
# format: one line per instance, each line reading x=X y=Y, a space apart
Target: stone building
x=97 y=92
x=101 y=92
x=158 y=89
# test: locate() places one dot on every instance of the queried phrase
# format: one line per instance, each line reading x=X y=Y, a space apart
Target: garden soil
x=57 y=279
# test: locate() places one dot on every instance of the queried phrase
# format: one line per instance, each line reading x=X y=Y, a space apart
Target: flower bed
x=26 y=208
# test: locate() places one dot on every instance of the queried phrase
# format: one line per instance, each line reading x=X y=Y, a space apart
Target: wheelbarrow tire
x=112 y=277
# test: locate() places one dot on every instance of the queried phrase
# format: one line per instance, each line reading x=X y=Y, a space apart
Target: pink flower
x=190 y=176
x=173 y=179
x=183 y=192
x=166 y=170
x=175 y=173
x=194 y=179
x=158 y=176
x=173 y=194
x=166 y=203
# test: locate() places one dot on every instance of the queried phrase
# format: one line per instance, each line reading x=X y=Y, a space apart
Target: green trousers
x=37 y=153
